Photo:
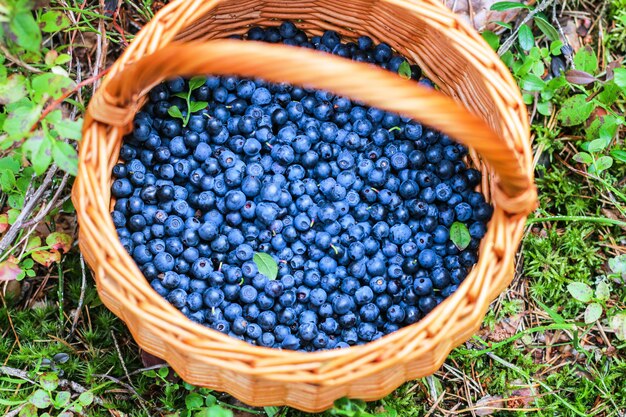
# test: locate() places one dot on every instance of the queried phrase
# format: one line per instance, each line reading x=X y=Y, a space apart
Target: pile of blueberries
x=353 y=204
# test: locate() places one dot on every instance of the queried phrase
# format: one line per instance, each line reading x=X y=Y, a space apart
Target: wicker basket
x=481 y=108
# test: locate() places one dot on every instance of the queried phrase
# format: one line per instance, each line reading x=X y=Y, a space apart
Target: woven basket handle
x=116 y=101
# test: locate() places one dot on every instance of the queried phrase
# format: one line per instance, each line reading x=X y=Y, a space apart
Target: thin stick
x=601 y=220
x=27 y=210
x=567 y=53
x=127 y=386
x=18 y=61
x=44 y=212
x=509 y=42
x=81 y=299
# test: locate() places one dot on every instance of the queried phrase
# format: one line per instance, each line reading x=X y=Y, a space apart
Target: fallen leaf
x=9 y=271
x=503 y=329
x=477 y=13
x=521 y=398
x=150 y=360
x=46 y=258
x=488 y=404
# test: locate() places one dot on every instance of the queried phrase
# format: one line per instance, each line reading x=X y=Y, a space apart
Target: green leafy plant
x=17 y=268
x=539 y=18
x=596 y=300
x=404 y=71
x=459 y=235
x=48 y=398
x=585 y=294
x=266 y=265
x=357 y=408
x=192 y=106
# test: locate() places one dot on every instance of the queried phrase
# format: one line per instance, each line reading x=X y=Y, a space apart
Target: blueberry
x=177 y=297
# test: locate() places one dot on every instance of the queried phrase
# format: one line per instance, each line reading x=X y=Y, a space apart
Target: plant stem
x=601 y=220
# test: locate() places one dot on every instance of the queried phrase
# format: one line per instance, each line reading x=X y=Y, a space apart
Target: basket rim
x=417 y=328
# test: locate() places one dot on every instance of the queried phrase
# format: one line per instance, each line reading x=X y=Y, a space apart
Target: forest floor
x=554 y=343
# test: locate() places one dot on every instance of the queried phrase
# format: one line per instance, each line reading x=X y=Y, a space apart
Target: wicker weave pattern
x=451 y=54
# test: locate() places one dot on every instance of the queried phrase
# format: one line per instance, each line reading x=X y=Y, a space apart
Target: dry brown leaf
x=503 y=329
x=477 y=14
x=521 y=398
x=488 y=405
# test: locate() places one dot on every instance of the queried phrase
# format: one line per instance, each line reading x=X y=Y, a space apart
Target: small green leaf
x=603 y=292
x=54 y=21
x=13 y=213
x=405 y=70
x=85 y=398
x=29 y=410
x=49 y=381
x=525 y=37
x=214 y=411
x=7 y=180
x=583 y=158
x=38 y=149
x=619 y=77
x=182 y=95
x=25 y=28
x=538 y=68
x=585 y=60
x=509 y=5
x=27 y=263
x=580 y=291
x=575 y=110
x=62 y=59
x=492 y=39
x=555 y=47
x=532 y=83
x=69 y=129
x=65 y=157
x=174 y=111
x=618 y=264
x=164 y=372
x=544 y=108
x=619 y=155
x=196 y=82
x=10 y=163
x=62 y=399
x=266 y=265
x=12 y=89
x=197 y=106
x=601 y=164
x=597 y=145
x=544 y=25
x=50 y=84
x=459 y=235
x=610 y=92
x=59 y=241
x=504 y=25
x=21 y=118
x=194 y=401
x=395 y=128
x=618 y=324
x=271 y=411
x=210 y=400
x=608 y=130
x=40 y=399
x=593 y=312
